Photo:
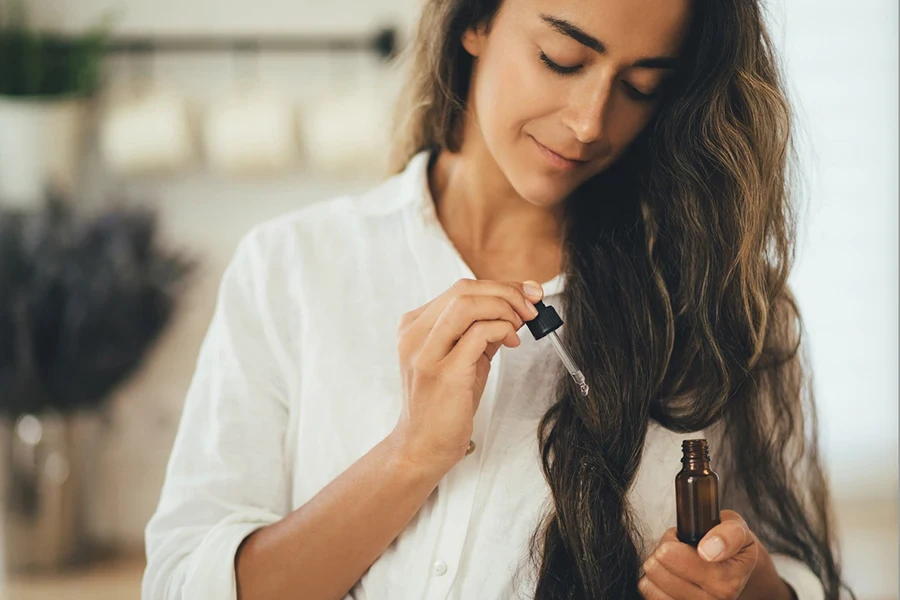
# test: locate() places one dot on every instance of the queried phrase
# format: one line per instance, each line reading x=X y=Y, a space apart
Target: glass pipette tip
x=573 y=370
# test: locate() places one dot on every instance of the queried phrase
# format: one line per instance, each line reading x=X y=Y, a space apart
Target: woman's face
x=558 y=87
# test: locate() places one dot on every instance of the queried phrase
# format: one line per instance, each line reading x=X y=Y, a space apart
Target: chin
x=541 y=190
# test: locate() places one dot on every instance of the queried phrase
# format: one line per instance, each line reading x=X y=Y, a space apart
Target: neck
x=492 y=226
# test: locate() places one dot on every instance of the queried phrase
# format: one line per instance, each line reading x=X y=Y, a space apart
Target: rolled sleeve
x=226 y=476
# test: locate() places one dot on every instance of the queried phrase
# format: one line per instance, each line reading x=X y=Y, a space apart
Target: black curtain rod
x=383 y=43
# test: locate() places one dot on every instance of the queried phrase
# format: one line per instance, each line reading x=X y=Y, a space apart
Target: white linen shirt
x=298 y=377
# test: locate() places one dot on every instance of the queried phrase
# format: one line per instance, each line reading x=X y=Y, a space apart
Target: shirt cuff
x=799 y=576
x=211 y=572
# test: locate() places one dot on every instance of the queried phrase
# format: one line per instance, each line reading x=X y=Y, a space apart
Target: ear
x=473 y=40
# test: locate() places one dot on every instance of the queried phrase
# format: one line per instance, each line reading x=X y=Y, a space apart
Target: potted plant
x=46 y=80
x=82 y=299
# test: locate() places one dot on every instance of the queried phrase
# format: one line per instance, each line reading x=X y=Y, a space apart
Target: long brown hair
x=695 y=224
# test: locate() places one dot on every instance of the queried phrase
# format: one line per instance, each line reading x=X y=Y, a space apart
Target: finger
x=650 y=591
x=726 y=539
x=460 y=314
x=681 y=559
x=674 y=585
x=414 y=314
x=511 y=291
x=492 y=347
x=671 y=535
x=475 y=341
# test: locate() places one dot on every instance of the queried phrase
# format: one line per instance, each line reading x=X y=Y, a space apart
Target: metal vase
x=41 y=473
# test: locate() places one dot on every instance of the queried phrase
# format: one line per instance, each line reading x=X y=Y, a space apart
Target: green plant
x=35 y=63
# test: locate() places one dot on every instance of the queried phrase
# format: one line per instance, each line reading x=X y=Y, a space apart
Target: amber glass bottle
x=696 y=493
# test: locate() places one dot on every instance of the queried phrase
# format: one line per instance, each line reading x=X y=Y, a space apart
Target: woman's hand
x=445 y=349
x=729 y=563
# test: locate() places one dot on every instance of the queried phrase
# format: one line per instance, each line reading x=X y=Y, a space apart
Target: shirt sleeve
x=226 y=476
x=799 y=576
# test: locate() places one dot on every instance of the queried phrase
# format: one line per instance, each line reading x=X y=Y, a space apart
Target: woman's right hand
x=445 y=349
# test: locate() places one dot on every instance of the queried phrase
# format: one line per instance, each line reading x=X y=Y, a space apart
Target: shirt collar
x=425 y=213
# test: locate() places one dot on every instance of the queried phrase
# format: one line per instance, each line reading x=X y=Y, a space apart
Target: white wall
x=842 y=72
x=842 y=68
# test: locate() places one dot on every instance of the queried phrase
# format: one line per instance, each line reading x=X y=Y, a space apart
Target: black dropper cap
x=546 y=322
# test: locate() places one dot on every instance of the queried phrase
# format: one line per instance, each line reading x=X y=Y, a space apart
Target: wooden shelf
x=113 y=579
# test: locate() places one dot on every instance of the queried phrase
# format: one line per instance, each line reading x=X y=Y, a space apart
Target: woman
x=365 y=421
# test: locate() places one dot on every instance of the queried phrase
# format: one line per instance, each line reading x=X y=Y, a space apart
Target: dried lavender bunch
x=82 y=299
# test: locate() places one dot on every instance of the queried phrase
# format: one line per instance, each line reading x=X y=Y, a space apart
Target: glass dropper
x=573 y=370
x=545 y=325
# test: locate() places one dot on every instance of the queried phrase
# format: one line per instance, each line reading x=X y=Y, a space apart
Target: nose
x=587 y=114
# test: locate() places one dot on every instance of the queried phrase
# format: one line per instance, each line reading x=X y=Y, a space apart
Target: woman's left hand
x=729 y=563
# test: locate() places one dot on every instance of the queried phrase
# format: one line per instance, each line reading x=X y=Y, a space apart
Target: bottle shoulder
x=705 y=473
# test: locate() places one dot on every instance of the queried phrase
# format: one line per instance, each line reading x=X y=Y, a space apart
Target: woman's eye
x=639 y=95
x=563 y=70
x=556 y=68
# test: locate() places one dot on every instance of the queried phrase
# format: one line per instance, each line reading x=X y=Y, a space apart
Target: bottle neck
x=695 y=464
x=695 y=455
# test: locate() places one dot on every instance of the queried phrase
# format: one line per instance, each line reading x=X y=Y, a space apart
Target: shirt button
x=440 y=567
x=471 y=448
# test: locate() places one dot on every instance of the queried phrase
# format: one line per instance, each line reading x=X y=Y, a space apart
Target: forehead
x=626 y=27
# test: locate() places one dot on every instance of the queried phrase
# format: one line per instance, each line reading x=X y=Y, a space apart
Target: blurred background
x=140 y=139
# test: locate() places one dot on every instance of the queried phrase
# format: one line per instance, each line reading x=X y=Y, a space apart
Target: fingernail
x=642 y=584
x=533 y=289
x=711 y=548
x=649 y=564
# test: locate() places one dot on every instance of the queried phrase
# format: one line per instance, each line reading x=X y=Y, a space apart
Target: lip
x=557 y=160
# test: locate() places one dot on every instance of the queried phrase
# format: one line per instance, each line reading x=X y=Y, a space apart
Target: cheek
x=508 y=94
x=632 y=117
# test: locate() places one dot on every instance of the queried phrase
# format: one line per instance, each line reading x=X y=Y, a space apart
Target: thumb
x=726 y=539
x=533 y=290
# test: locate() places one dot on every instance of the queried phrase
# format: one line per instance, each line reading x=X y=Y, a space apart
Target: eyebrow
x=579 y=35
